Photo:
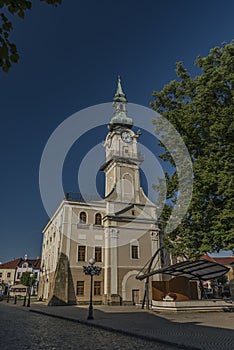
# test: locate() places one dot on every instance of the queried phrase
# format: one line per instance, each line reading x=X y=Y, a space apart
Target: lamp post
x=8 y=296
x=30 y=287
x=92 y=271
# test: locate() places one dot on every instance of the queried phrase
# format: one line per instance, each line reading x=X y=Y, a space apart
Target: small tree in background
x=26 y=280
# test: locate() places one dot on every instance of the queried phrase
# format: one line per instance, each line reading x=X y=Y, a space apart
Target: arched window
x=127 y=187
x=83 y=217
x=98 y=219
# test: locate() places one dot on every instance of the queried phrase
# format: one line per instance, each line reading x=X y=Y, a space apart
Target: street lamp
x=30 y=287
x=92 y=271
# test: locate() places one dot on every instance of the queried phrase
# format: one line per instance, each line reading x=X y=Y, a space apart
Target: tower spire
x=120 y=118
x=120 y=95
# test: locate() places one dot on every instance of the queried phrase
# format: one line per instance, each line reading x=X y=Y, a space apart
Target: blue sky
x=70 y=58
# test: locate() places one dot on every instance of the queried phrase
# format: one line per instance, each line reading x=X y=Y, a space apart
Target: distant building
x=120 y=231
x=227 y=261
x=7 y=274
x=32 y=266
x=11 y=272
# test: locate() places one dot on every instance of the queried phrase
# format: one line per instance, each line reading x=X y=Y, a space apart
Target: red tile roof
x=220 y=260
x=225 y=260
x=207 y=257
x=35 y=263
x=11 y=264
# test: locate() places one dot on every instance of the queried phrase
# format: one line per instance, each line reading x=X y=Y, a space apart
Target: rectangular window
x=135 y=252
x=18 y=275
x=0 y=274
x=98 y=254
x=80 y=288
x=81 y=253
x=8 y=275
x=97 y=288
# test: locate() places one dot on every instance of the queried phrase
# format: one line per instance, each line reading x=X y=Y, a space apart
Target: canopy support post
x=203 y=292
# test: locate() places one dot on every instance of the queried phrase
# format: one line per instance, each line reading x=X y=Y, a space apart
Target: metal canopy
x=194 y=270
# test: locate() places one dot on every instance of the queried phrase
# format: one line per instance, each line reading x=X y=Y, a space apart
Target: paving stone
x=195 y=330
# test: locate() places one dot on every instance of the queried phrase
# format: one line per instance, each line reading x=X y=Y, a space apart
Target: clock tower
x=122 y=156
x=130 y=223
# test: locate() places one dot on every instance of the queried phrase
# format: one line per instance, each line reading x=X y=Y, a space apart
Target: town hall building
x=120 y=231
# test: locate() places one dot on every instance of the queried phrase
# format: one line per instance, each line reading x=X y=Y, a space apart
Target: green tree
x=8 y=50
x=27 y=280
x=202 y=111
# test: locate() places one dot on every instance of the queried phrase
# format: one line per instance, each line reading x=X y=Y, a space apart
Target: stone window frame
x=80 y=288
x=97 y=288
x=134 y=243
x=81 y=221
x=85 y=252
x=95 y=255
x=95 y=219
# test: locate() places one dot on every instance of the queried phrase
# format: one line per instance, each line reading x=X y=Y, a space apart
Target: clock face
x=126 y=137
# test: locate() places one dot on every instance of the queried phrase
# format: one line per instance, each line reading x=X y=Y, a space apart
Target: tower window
x=127 y=187
x=135 y=251
x=80 y=288
x=81 y=252
x=98 y=219
x=83 y=218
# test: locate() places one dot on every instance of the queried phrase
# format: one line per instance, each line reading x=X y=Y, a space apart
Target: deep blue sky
x=70 y=58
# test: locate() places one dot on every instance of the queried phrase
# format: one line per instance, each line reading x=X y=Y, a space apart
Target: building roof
x=11 y=264
x=227 y=260
x=35 y=263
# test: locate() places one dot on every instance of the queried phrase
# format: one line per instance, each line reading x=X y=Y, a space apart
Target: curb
x=120 y=331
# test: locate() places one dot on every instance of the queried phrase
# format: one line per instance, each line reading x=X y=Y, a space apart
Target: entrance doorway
x=135 y=296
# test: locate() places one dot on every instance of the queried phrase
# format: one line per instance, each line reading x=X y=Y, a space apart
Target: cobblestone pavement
x=197 y=330
x=187 y=330
x=21 y=330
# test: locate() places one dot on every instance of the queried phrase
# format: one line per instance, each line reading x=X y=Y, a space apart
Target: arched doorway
x=132 y=289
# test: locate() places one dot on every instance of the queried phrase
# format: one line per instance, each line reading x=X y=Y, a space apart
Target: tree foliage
x=202 y=111
x=8 y=50
x=27 y=280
